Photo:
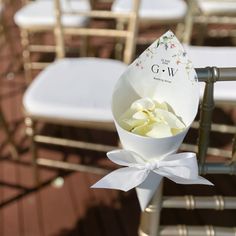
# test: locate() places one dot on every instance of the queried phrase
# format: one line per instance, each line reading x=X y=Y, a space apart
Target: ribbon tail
x=122 y=179
x=147 y=189
x=198 y=180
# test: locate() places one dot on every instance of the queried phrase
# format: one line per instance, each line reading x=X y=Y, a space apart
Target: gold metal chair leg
x=179 y=30
x=2 y=32
x=30 y=131
x=150 y=218
x=119 y=45
x=9 y=138
x=84 y=46
x=202 y=28
x=26 y=55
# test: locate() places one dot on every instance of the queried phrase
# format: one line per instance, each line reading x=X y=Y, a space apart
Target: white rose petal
x=170 y=118
x=141 y=130
x=162 y=105
x=159 y=131
x=131 y=123
x=143 y=104
x=140 y=115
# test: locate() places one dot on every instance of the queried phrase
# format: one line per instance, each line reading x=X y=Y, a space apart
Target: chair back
x=128 y=34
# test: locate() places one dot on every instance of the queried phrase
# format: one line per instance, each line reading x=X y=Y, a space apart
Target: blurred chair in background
x=153 y=12
x=77 y=91
x=38 y=17
x=150 y=219
x=218 y=13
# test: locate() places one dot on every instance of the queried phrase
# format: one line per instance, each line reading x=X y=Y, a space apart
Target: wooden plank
x=31 y=217
x=57 y=210
x=105 y=204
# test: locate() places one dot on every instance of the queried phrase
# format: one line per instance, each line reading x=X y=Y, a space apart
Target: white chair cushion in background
x=217 y=7
x=220 y=57
x=41 y=13
x=154 y=9
x=74 y=89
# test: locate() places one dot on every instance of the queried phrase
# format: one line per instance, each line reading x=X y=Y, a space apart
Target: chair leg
x=150 y=218
x=2 y=32
x=179 y=31
x=31 y=131
x=201 y=37
x=84 y=46
x=119 y=44
x=9 y=138
x=26 y=55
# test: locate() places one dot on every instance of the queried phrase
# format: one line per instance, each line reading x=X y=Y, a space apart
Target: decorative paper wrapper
x=163 y=72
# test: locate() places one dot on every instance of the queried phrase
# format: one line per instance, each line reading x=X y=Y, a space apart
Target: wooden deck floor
x=65 y=205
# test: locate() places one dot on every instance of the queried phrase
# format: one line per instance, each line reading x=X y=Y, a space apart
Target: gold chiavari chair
x=166 y=14
x=77 y=91
x=36 y=17
x=150 y=219
x=206 y=13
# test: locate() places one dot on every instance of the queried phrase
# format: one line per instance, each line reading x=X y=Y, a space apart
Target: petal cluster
x=147 y=117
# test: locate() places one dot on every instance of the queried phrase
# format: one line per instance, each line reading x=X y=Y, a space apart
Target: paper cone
x=163 y=72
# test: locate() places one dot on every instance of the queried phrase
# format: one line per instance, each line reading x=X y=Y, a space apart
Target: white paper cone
x=163 y=72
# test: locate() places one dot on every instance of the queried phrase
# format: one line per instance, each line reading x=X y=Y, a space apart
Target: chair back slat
x=127 y=34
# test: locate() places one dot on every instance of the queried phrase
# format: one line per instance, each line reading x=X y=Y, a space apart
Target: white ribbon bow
x=182 y=168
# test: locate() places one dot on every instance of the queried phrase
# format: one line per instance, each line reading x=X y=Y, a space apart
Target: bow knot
x=153 y=165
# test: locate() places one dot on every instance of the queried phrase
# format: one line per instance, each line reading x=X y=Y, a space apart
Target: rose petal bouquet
x=154 y=104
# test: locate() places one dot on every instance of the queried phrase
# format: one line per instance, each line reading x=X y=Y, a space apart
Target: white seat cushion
x=74 y=89
x=154 y=9
x=41 y=13
x=220 y=57
x=217 y=7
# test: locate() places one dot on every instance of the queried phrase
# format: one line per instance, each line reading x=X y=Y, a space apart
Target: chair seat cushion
x=217 y=7
x=41 y=13
x=219 y=57
x=74 y=89
x=154 y=9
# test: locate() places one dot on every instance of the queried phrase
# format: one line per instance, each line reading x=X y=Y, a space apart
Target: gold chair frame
x=151 y=217
x=31 y=121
